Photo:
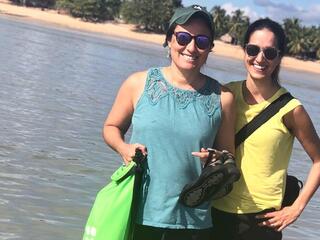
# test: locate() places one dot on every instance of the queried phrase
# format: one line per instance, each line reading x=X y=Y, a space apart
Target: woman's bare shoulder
x=136 y=79
x=134 y=85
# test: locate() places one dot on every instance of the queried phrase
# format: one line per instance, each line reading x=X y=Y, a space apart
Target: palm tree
x=238 y=25
x=149 y=15
x=316 y=41
x=292 y=29
x=220 y=20
x=295 y=44
x=312 y=34
x=298 y=38
x=291 y=24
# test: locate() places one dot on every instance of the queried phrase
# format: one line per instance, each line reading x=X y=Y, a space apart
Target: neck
x=259 y=90
x=184 y=79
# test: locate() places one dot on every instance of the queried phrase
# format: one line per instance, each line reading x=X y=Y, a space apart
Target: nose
x=191 y=45
x=260 y=57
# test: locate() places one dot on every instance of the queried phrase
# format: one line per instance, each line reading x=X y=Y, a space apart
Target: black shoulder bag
x=293 y=184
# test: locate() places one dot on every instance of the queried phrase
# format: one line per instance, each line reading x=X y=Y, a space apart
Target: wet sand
x=128 y=31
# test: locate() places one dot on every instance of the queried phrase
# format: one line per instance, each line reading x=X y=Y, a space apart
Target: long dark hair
x=277 y=30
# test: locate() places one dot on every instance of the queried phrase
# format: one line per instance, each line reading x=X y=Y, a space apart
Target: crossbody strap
x=261 y=118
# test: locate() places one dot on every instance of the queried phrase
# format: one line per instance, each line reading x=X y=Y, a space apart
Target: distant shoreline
x=128 y=31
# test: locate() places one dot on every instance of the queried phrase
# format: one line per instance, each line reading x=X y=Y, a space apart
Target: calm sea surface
x=56 y=88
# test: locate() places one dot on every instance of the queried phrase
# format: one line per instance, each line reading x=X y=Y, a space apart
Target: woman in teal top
x=174 y=111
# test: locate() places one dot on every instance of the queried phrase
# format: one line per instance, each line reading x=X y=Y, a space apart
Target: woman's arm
x=303 y=129
x=119 y=118
x=301 y=126
x=225 y=136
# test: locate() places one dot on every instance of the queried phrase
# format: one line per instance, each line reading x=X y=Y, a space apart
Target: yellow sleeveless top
x=263 y=157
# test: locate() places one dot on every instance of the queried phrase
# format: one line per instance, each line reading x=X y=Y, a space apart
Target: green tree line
x=153 y=16
x=302 y=42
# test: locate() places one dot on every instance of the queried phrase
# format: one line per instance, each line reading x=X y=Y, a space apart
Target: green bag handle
x=123 y=172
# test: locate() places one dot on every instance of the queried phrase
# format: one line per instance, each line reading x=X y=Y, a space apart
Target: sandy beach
x=127 y=31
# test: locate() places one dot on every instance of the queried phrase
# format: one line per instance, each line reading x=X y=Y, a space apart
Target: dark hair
x=277 y=30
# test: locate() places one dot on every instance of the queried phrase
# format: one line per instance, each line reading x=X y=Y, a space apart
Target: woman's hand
x=128 y=151
x=211 y=155
x=280 y=219
x=203 y=155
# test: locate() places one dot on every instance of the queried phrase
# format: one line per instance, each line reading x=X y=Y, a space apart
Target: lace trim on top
x=157 y=87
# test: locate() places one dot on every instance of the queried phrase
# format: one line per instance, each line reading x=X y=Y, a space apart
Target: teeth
x=189 y=58
x=259 y=67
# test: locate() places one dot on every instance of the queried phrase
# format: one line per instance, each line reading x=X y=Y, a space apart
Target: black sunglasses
x=184 y=38
x=269 y=53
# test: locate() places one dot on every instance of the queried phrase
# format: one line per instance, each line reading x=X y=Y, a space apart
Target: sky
x=308 y=11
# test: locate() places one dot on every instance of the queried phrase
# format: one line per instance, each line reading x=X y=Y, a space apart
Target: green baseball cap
x=183 y=14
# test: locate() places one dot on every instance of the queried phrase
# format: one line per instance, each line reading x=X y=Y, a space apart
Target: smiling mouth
x=259 y=67
x=189 y=57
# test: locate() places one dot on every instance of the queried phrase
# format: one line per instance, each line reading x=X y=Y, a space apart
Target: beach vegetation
x=303 y=42
x=149 y=15
x=35 y=3
x=91 y=10
x=221 y=21
x=238 y=25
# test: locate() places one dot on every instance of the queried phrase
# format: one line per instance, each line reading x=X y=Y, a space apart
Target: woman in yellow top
x=253 y=208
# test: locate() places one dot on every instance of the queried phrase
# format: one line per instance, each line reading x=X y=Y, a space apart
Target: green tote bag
x=112 y=214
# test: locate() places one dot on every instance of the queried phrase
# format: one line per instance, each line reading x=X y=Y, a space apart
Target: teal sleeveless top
x=172 y=123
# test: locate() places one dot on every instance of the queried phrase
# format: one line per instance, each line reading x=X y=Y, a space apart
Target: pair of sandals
x=216 y=180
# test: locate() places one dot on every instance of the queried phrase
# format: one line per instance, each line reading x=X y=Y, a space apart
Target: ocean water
x=57 y=87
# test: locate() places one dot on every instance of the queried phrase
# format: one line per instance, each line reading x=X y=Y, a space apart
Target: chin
x=188 y=66
x=258 y=75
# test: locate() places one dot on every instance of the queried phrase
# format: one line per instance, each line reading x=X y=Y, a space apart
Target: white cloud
x=250 y=13
x=268 y=3
x=229 y=7
x=311 y=16
x=280 y=11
